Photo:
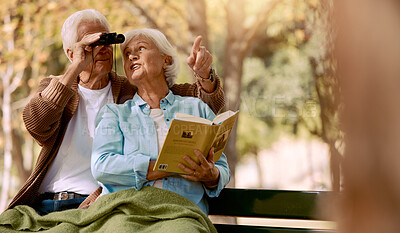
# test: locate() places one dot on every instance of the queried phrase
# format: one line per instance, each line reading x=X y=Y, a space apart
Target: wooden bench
x=276 y=204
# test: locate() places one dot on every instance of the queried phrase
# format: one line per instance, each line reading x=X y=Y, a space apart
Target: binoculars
x=109 y=38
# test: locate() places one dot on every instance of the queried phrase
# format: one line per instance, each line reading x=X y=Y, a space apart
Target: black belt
x=60 y=196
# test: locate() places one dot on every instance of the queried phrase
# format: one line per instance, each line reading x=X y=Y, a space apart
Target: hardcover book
x=187 y=133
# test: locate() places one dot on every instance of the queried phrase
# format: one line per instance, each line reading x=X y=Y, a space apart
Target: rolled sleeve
x=43 y=114
x=57 y=93
x=140 y=167
x=224 y=177
x=215 y=99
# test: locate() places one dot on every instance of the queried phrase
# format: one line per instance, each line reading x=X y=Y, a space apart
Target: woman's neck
x=93 y=81
x=153 y=92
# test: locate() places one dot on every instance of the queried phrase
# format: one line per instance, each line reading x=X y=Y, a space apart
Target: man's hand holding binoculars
x=82 y=51
x=90 y=45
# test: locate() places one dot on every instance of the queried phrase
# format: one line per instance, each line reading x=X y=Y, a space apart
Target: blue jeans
x=47 y=206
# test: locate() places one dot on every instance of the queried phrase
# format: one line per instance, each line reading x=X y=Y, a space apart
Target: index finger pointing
x=196 y=45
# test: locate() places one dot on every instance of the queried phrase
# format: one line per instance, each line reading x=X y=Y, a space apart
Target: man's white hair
x=69 y=31
x=162 y=43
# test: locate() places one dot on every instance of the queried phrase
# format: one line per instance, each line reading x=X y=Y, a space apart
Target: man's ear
x=70 y=54
x=167 y=61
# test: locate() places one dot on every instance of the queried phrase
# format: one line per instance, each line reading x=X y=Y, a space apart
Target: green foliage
x=274 y=98
x=280 y=85
x=254 y=134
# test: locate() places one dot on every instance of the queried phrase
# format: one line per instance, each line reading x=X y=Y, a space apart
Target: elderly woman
x=128 y=137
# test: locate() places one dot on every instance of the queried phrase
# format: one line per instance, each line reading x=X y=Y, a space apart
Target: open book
x=187 y=133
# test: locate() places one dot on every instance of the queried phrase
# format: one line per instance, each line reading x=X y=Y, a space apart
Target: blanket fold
x=148 y=210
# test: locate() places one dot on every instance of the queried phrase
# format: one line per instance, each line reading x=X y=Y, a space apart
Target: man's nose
x=105 y=48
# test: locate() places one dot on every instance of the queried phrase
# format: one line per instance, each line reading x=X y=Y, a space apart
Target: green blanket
x=147 y=210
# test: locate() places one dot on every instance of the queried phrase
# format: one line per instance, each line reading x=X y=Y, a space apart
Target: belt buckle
x=62 y=196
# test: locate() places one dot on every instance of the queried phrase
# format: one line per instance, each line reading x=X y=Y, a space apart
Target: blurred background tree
x=273 y=57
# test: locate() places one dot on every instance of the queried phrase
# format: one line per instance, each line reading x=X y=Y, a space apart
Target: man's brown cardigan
x=48 y=113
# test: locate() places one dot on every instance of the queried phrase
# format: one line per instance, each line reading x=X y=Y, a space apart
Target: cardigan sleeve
x=215 y=100
x=42 y=115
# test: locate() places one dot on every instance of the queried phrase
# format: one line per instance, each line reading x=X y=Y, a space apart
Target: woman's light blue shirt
x=126 y=140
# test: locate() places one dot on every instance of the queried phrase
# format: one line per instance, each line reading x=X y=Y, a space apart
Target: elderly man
x=61 y=115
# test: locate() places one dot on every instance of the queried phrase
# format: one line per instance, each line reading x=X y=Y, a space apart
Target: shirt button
x=164 y=109
x=162 y=101
x=167 y=119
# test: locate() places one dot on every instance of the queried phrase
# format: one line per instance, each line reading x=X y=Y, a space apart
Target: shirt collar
x=170 y=97
x=140 y=102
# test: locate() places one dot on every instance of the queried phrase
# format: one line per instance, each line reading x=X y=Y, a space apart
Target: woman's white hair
x=69 y=31
x=162 y=43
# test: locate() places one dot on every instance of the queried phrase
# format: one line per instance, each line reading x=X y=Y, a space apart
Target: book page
x=187 y=117
x=223 y=116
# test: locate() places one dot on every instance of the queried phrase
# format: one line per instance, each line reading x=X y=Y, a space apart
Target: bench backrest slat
x=222 y=228
x=267 y=203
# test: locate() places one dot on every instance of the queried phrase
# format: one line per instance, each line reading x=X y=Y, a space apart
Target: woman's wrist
x=213 y=183
x=208 y=84
x=209 y=79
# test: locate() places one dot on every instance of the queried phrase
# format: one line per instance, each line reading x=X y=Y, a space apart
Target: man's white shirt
x=70 y=170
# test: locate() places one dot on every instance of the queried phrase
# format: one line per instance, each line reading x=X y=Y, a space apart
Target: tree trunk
x=232 y=72
x=260 y=172
x=18 y=157
x=327 y=90
x=7 y=124
x=8 y=141
x=10 y=81
x=335 y=166
x=28 y=152
x=197 y=20
x=311 y=165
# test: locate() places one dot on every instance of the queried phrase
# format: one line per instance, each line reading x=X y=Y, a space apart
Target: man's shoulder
x=120 y=77
x=114 y=77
